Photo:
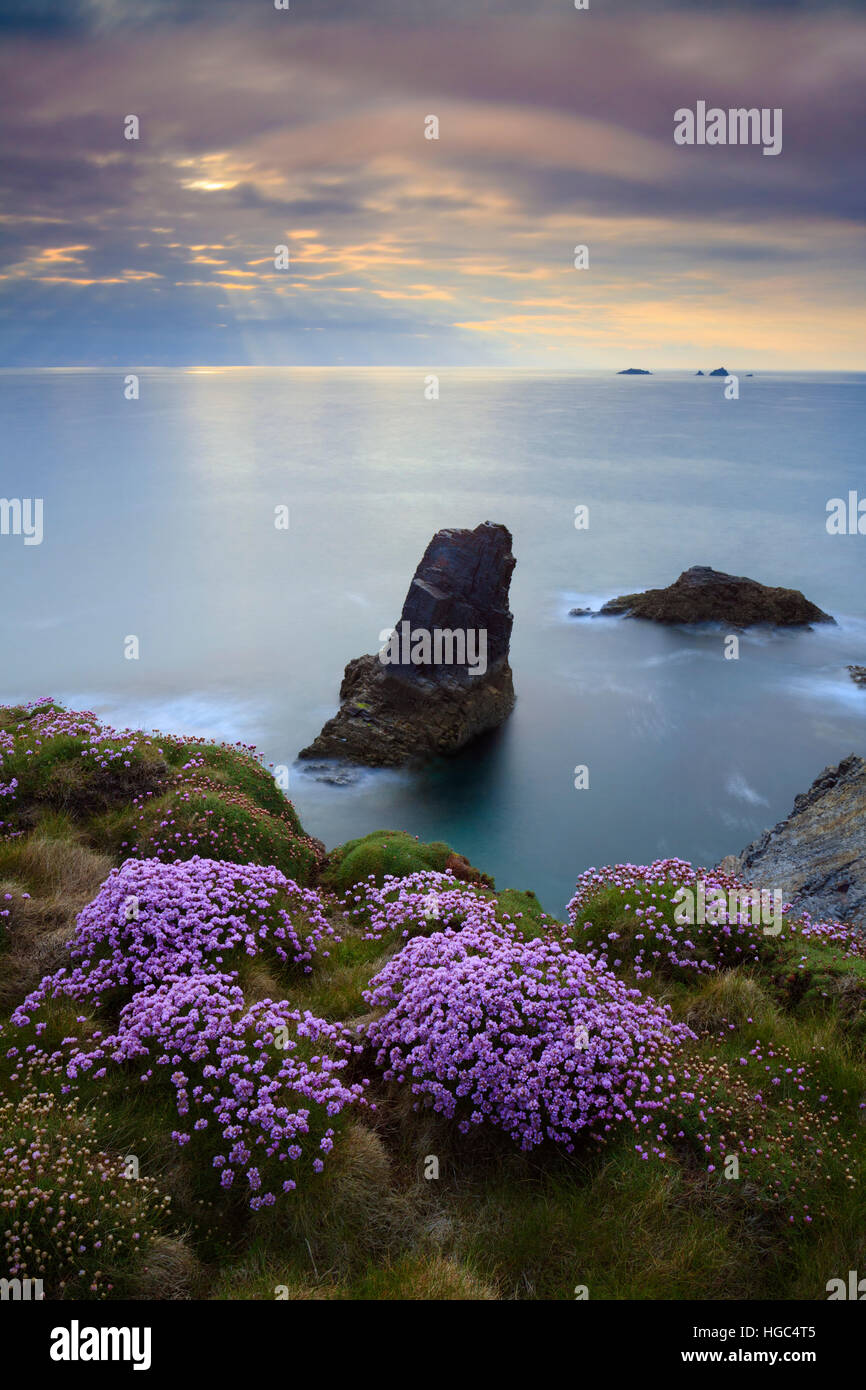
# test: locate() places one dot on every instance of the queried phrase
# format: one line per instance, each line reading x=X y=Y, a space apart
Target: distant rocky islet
x=644 y=371
x=704 y=595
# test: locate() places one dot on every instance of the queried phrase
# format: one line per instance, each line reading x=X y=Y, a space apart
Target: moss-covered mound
x=393 y=852
x=131 y=794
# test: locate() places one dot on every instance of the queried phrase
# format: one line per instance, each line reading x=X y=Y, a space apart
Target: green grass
x=495 y=1224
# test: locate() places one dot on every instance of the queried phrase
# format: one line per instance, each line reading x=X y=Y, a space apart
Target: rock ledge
x=817 y=856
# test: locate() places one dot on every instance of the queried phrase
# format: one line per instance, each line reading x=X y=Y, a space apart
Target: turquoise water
x=158 y=522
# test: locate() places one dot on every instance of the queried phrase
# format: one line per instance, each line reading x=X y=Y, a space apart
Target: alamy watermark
x=760 y=906
x=854 y=1290
x=21 y=1290
x=77 y=1343
x=420 y=646
x=22 y=516
x=737 y=126
x=847 y=517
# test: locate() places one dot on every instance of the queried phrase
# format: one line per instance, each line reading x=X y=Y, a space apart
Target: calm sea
x=159 y=523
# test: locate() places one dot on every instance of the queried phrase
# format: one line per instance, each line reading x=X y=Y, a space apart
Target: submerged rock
x=858 y=674
x=817 y=856
x=702 y=595
x=334 y=774
x=426 y=694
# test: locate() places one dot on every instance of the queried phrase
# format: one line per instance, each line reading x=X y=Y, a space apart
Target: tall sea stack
x=422 y=702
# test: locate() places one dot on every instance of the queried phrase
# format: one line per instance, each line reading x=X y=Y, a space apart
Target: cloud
x=99 y=17
x=555 y=129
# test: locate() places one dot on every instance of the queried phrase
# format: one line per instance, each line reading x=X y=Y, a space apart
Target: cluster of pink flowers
x=417 y=904
x=150 y=920
x=243 y=1073
x=102 y=745
x=67 y=1215
x=735 y=926
x=530 y=1036
x=845 y=936
x=7 y=748
x=176 y=821
x=655 y=936
x=267 y=1077
x=44 y=723
x=171 y=818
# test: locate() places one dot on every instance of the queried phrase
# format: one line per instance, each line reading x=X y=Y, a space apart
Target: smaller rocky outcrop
x=816 y=857
x=858 y=674
x=702 y=595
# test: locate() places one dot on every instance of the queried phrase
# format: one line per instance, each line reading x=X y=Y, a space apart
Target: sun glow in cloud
x=207 y=185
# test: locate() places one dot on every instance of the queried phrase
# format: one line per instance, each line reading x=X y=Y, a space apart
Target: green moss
x=386 y=852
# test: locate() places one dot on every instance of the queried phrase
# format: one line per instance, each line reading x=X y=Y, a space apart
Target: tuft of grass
x=425 y=1278
x=59 y=876
x=728 y=995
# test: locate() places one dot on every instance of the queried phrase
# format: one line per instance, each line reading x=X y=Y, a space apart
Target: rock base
x=387 y=722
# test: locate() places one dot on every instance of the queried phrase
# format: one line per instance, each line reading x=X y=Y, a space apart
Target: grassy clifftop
x=260 y=1072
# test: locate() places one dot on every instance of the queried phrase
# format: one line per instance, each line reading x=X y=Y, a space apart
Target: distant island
x=635 y=371
x=720 y=371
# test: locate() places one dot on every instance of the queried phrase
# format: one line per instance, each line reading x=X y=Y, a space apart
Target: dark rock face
x=702 y=595
x=817 y=857
x=858 y=674
x=462 y=583
x=404 y=710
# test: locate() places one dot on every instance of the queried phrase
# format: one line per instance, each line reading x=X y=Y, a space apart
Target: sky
x=305 y=128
